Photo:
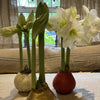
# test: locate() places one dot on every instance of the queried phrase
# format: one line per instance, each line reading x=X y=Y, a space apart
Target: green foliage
x=21 y=21
x=30 y=37
x=49 y=39
x=30 y=17
x=23 y=39
x=41 y=9
x=42 y=14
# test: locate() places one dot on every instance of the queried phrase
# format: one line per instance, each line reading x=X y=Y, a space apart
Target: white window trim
x=22 y=9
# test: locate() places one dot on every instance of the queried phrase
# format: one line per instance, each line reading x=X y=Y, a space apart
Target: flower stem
x=20 y=51
x=28 y=50
x=33 y=68
x=67 y=59
x=62 y=56
x=41 y=58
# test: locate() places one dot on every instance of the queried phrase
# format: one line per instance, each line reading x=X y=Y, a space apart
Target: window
x=26 y=6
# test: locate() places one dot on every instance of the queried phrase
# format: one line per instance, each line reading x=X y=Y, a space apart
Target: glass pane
x=52 y=14
x=27 y=3
x=52 y=3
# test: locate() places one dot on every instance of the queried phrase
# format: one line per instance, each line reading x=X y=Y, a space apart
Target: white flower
x=91 y=22
x=64 y=25
x=62 y=18
x=73 y=34
x=54 y=24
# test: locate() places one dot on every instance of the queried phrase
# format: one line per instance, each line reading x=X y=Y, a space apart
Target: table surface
x=87 y=87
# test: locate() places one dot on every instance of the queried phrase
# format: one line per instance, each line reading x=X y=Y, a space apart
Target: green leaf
x=28 y=25
x=29 y=22
x=8 y=31
x=41 y=9
x=39 y=25
x=42 y=14
x=31 y=17
x=21 y=20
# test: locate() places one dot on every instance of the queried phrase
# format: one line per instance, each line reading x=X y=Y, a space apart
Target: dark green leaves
x=30 y=21
x=42 y=14
x=31 y=17
x=41 y=9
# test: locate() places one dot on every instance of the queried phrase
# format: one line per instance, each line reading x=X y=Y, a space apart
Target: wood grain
x=82 y=59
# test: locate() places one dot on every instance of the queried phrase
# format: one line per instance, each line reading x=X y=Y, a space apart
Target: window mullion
x=22 y=9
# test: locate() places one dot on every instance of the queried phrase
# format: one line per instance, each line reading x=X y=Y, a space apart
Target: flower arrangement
x=25 y=73
x=23 y=80
x=72 y=32
x=40 y=89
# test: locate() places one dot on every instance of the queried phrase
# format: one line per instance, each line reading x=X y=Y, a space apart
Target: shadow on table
x=21 y=95
x=77 y=94
x=14 y=94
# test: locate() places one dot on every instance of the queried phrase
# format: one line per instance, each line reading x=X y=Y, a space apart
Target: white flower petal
x=93 y=12
x=85 y=10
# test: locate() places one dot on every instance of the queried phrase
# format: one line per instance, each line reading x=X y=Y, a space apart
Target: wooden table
x=87 y=87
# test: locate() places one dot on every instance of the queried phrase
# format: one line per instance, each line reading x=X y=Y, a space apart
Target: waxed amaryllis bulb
x=64 y=82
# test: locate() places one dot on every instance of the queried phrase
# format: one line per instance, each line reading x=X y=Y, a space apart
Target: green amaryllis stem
x=41 y=58
x=62 y=56
x=28 y=50
x=33 y=68
x=20 y=51
x=67 y=59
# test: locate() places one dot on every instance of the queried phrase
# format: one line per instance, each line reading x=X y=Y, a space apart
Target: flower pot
x=23 y=82
x=64 y=82
x=43 y=93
